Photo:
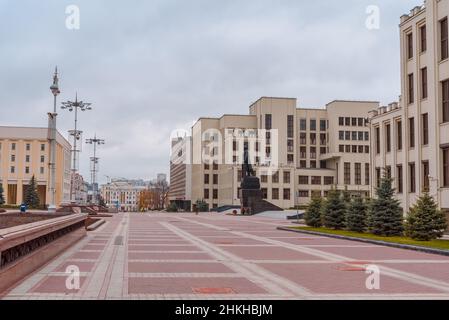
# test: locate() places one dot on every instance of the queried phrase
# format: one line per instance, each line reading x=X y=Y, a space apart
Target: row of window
x=27 y=158
x=27 y=146
x=354 y=122
x=316 y=180
x=312 y=152
x=347 y=177
x=423 y=40
x=313 y=125
x=353 y=149
x=353 y=135
x=27 y=170
x=313 y=138
x=214 y=179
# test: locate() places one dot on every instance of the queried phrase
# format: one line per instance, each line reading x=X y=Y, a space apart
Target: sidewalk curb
x=378 y=242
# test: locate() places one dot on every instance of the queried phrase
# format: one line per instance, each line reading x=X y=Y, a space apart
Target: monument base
x=251 y=198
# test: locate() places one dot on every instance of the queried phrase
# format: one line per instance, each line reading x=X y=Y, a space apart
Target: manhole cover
x=213 y=290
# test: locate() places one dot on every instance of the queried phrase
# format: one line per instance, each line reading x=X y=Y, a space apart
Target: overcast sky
x=151 y=66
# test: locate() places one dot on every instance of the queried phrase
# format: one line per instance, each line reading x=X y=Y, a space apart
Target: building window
x=268 y=121
x=41 y=170
x=28 y=147
x=322 y=125
x=215 y=165
x=411 y=128
x=367 y=174
x=323 y=150
x=264 y=193
x=303 y=193
x=290 y=126
x=303 y=138
x=27 y=170
x=275 y=194
x=328 y=181
x=206 y=166
x=275 y=177
x=360 y=149
x=13 y=146
x=290 y=159
x=424 y=90
x=411 y=90
x=264 y=178
x=347 y=173
x=215 y=178
x=290 y=145
x=354 y=122
x=358 y=174
x=302 y=164
x=399 y=135
x=445 y=95
x=303 y=124
x=42 y=147
x=423 y=34
x=354 y=149
x=377 y=140
x=425 y=171
x=341 y=121
x=366 y=149
x=215 y=194
x=444 y=40
x=286 y=177
x=313 y=164
x=13 y=169
x=27 y=158
x=234 y=145
x=347 y=148
x=378 y=177
x=425 y=129
x=348 y=135
x=446 y=167
x=313 y=138
x=316 y=180
x=206 y=179
x=304 y=180
x=13 y=158
x=388 y=172
x=287 y=194
x=354 y=135
x=411 y=167
x=360 y=134
x=410 y=45
x=341 y=135
x=347 y=121
x=303 y=152
x=361 y=122
x=341 y=148
x=388 y=137
x=399 y=179
x=312 y=152
x=312 y=125
x=367 y=136
x=206 y=193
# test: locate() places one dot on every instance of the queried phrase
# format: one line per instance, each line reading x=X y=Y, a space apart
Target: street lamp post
x=52 y=142
x=74 y=106
x=94 y=162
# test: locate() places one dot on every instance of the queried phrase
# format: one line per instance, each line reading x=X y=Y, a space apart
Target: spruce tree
x=334 y=211
x=347 y=196
x=356 y=215
x=424 y=221
x=313 y=213
x=2 y=198
x=385 y=213
x=31 y=195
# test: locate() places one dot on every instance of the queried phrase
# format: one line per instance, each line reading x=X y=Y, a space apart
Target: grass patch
x=436 y=244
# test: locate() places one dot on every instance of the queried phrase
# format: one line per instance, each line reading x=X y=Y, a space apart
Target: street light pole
x=74 y=106
x=94 y=160
x=52 y=142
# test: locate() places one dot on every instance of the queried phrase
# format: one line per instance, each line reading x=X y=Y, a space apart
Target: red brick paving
x=157 y=256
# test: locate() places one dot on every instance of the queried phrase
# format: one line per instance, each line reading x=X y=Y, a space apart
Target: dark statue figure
x=247 y=168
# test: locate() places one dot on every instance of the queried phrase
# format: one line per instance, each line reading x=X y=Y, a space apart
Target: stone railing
x=25 y=248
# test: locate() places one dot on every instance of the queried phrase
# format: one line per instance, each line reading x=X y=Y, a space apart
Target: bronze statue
x=247 y=168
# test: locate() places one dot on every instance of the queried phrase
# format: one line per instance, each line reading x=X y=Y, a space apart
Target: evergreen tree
x=385 y=213
x=356 y=215
x=424 y=221
x=202 y=206
x=31 y=195
x=334 y=211
x=347 y=197
x=2 y=199
x=313 y=213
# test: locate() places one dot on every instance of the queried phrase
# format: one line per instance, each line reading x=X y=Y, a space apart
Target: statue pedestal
x=251 y=197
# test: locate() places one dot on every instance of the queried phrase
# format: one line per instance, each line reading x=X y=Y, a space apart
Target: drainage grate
x=213 y=291
x=118 y=241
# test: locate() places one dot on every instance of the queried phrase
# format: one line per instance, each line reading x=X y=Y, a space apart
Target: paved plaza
x=212 y=256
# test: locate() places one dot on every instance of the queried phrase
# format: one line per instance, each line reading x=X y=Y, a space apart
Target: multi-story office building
x=181 y=173
x=411 y=138
x=297 y=153
x=122 y=195
x=24 y=152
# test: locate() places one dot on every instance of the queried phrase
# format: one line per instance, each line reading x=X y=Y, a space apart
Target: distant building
x=122 y=195
x=181 y=173
x=80 y=188
x=24 y=152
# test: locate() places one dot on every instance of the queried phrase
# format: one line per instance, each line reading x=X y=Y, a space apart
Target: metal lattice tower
x=94 y=166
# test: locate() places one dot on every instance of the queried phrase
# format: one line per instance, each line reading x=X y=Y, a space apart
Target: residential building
x=296 y=152
x=122 y=195
x=24 y=153
x=411 y=138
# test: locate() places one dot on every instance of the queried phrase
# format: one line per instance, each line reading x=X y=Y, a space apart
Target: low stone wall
x=25 y=248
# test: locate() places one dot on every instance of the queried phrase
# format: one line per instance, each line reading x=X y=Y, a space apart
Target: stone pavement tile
x=231 y=240
x=269 y=253
x=144 y=267
x=167 y=255
x=160 y=247
x=340 y=278
x=55 y=284
x=383 y=253
x=190 y=285
x=94 y=247
x=439 y=271
x=82 y=265
x=86 y=255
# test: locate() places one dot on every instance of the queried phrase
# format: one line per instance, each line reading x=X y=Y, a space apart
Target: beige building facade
x=295 y=152
x=24 y=152
x=411 y=137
